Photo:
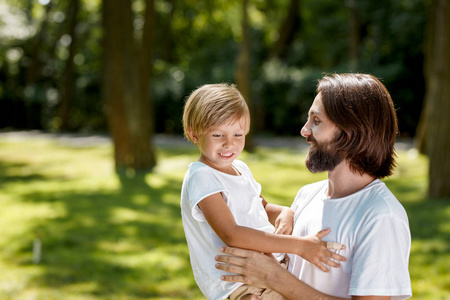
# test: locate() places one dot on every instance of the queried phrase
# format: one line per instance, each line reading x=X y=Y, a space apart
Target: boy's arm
x=221 y=220
x=282 y=217
x=260 y=270
x=257 y=269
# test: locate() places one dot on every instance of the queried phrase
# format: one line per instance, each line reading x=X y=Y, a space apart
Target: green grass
x=103 y=239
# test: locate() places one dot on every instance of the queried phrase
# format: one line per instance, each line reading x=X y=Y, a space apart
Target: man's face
x=321 y=133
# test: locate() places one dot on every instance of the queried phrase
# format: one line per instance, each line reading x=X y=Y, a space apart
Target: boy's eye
x=216 y=135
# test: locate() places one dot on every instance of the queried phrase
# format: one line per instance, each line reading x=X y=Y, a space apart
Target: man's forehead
x=317 y=106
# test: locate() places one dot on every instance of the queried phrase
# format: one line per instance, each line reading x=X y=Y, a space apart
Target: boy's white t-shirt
x=242 y=195
x=373 y=226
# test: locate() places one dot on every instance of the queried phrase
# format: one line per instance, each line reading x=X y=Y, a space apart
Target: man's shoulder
x=312 y=188
x=315 y=185
x=378 y=198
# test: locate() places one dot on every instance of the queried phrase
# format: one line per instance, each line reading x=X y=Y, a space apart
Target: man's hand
x=250 y=267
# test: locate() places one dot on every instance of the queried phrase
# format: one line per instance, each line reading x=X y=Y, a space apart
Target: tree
x=126 y=89
x=68 y=81
x=436 y=120
x=243 y=77
x=287 y=30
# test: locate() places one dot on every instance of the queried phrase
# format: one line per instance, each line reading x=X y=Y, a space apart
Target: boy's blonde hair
x=213 y=105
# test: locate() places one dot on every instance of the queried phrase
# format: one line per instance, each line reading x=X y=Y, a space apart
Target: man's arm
x=264 y=271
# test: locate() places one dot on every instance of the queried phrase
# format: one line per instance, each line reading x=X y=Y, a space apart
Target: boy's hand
x=317 y=251
x=285 y=221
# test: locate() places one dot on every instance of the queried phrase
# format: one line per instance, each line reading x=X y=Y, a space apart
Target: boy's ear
x=192 y=136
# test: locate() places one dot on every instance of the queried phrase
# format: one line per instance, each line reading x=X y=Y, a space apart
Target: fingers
x=230 y=264
x=323 y=233
x=326 y=262
x=231 y=260
x=235 y=251
x=330 y=263
x=321 y=266
x=336 y=256
x=335 y=246
x=328 y=258
x=230 y=269
x=283 y=230
x=332 y=260
x=232 y=278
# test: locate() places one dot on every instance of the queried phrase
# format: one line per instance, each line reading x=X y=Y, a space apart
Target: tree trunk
x=68 y=80
x=243 y=76
x=126 y=90
x=437 y=99
x=287 y=31
x=168 y=42
x=33 y=71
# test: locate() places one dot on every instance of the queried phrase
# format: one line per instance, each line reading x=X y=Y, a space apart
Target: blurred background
x=122 y=69
x=125 y=67
x=55 y=55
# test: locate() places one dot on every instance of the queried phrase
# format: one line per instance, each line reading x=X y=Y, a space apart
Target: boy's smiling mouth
x=226 y=154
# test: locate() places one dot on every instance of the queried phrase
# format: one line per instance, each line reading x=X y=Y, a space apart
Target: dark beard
x=321 y=158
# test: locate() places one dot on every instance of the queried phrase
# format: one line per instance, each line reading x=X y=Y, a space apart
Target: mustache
x=311 y=139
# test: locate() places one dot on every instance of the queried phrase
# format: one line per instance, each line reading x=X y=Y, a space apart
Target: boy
x=221 y=202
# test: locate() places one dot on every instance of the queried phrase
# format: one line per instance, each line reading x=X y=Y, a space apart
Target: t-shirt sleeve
x=202 y=184
x=380 y=260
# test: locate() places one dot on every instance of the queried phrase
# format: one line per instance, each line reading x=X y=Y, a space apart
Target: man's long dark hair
x=361 y=107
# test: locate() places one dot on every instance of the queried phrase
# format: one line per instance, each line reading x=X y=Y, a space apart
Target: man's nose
x=305 y=132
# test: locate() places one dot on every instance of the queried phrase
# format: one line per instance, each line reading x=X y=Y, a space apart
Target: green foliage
x=32 y=71
x=103 y=239
x=196 y=42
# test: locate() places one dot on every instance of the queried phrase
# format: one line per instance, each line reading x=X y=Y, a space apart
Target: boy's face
x=222 y=145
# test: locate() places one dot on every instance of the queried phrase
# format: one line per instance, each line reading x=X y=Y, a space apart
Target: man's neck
x=343 y=182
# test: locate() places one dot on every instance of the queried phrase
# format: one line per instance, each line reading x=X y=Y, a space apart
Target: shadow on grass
x=429 y=221
x=128 y=241
x=7 y=178
x=426 y=216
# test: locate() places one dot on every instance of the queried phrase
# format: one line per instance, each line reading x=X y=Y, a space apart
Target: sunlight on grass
x=105 y=240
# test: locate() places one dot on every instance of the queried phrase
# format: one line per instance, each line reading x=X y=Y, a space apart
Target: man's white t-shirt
x=242 y=195
x=373 y=226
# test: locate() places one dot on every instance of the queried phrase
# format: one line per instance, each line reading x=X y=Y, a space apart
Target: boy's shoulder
x=201 y=168
x=239 y=163
x=197 y=166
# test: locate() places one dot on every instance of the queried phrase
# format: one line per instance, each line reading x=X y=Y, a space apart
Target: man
x=351 y=127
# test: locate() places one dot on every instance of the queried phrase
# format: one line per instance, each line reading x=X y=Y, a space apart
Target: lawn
x=102 y=238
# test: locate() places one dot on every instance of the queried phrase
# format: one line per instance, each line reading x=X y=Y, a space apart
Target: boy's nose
x=228 y=142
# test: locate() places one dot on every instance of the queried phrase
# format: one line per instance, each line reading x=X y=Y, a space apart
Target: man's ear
x=192 y=136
